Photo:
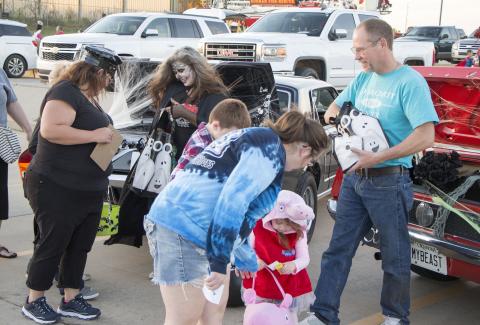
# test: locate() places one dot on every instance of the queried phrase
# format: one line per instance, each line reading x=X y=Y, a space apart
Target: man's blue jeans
x=383 y=201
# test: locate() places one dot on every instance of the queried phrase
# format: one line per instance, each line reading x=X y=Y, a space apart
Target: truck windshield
x=432 y=32
x=121 y=25
x=310 y=23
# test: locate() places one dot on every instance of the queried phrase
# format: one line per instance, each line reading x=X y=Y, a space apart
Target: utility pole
x=440 y=18
x=79 y=11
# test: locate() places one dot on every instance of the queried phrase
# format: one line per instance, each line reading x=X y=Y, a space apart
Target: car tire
x=234 y=292
x=15 y=66
x=307 y=189
x=431 y=275
x=307 y=72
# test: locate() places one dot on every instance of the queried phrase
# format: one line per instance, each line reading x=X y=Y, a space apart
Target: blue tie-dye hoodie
x=217 y=199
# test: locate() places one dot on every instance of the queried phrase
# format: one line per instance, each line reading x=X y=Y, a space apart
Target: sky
x=461 y=13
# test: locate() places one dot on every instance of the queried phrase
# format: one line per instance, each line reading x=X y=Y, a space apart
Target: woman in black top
x=65 y=187
x=190 y=87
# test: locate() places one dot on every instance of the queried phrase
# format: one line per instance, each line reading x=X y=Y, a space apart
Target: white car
x=138 y=34
x=18 y=53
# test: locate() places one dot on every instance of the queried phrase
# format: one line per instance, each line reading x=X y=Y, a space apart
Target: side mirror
x=444 y=36
x=463 y=37
x=337 y=34
x=150 y=32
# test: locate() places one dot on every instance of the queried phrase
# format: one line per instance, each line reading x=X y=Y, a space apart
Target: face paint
x=183 y=73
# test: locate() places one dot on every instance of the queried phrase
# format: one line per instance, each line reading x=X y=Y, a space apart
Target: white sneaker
x=390 y=321
x=311 y=320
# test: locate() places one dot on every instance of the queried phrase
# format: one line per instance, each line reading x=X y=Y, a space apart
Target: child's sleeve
x=301 y=253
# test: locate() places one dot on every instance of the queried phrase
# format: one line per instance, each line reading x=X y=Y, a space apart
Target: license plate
x=429 y=258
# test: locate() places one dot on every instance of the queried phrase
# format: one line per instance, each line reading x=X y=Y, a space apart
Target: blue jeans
x=383 y=201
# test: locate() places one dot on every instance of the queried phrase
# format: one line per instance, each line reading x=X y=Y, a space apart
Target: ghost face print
x=184 y=73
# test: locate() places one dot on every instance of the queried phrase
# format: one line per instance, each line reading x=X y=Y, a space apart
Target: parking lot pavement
x=120 y=273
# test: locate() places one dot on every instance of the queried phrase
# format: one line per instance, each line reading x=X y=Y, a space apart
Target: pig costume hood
x=289 y=205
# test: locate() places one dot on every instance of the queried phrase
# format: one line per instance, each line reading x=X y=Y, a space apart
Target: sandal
x=5 y=253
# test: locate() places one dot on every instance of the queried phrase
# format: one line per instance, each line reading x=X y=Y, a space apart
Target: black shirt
x=70 y=165
x=183 y=128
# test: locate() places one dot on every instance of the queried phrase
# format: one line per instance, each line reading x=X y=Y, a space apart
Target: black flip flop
x=5 y=253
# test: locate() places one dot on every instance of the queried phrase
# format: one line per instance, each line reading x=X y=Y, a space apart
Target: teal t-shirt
x=399 y=99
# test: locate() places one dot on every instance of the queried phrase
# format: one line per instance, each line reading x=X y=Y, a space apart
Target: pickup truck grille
x=60 y=45
x=231 y=52
x=58 y=56
x=469 y=46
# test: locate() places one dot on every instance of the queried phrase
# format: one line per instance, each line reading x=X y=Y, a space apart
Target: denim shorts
x=176 y=261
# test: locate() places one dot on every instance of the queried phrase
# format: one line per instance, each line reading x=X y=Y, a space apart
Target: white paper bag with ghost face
x=163 y=164
x=356 y=130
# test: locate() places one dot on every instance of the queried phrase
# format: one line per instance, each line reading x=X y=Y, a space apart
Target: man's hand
x=288 y=268
x=215 y=280
x=331 y=112
x=366 y=159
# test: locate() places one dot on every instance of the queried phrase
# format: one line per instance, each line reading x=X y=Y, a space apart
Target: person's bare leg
x=183 y=306
x=212 y=313
x=70 y=294
x=34 y=295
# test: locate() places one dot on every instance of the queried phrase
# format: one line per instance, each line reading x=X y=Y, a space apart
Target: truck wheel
x=234 y=294
x=306 y=72
x=15 y=66
x=307 y=188
x=431 y=275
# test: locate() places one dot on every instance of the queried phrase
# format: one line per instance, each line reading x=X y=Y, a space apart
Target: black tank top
x=70 y=165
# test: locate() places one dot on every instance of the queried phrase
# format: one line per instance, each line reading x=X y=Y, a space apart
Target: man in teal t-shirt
x=377 y=191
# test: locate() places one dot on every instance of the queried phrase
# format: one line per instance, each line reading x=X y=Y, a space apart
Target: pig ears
x=249 y=296
x=287 y=301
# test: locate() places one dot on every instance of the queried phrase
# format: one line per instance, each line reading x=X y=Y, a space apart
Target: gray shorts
x=176 y=261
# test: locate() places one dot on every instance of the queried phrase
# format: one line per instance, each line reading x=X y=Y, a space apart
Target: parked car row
x=294 y=41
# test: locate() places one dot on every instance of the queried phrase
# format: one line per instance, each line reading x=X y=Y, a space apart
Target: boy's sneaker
x=78 y=308
x=40 y=312
x=88 y=293
x=390 y=321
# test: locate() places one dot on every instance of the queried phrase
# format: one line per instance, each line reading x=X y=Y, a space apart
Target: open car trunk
x=456 y=96
x=132 y=112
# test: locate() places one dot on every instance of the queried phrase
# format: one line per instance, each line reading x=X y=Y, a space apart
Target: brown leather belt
x=372 y=172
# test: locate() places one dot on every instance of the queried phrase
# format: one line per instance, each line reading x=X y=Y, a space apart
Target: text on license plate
x=429 y=258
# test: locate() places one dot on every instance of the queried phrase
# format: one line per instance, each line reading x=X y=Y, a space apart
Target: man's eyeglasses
x=358 y=50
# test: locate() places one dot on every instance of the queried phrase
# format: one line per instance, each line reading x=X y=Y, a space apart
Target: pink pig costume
x=294 y=288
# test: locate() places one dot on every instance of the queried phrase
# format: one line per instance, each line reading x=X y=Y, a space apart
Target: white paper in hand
x=213 y=296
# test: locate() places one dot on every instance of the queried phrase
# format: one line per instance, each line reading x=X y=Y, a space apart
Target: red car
x=456 y=253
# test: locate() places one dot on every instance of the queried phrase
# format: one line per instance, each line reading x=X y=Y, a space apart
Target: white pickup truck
x=140 y=35
x=308 y=42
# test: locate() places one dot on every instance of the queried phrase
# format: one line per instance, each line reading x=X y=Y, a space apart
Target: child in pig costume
x=280 y=242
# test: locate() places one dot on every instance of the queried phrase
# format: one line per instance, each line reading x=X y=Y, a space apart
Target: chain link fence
x=81 y=13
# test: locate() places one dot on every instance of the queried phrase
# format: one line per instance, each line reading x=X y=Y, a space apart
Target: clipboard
x=103 y=153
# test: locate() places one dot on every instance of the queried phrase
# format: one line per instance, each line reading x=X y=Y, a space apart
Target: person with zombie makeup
x=189 y=88
x=65 y=187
